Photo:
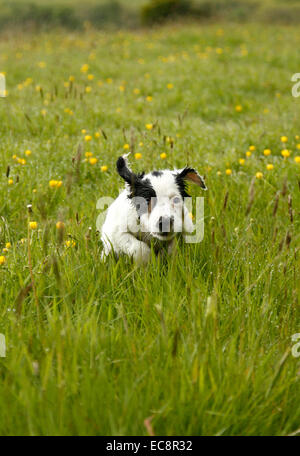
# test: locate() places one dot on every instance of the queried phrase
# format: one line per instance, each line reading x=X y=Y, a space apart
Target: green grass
x=200 y=343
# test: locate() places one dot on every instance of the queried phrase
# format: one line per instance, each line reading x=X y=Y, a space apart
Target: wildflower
x=88 y=154
x=10 y=182
x=241 y=161
x=298 y=146
x=84 y=68
x=284 y=139
x=228 y=171
x=88 y=138
x=2 y=259
x=270 y=166
x=42 y=64
x=14 y=157
x=219 y=173
x=104 y=168
x=33 y=225
x=43 y=112
x=109 y=80
x=149 y=98
x=83 y=131
x=55 y=183
x=121 y=88
x=66 y=84
x=93 y=160
x=297 y=159
x=285 y=153
x=141 y=144
x=97 y=135
x=149 y=126
x=248 y=153
x=259 y=175
x=163 y=155
x=8 y=245
x=136 y=91
x=22 y=161
x=170 y=86
x=60 y=225
x=90 y=77
x=71 y=78
x=38 y=88
x=297 y=137
x=71 y=243
x=252 y=148
x=88 y=89
x=238 y=108
x=267 y=152
x=137 y=156
x=126 y=146
x=5 y=250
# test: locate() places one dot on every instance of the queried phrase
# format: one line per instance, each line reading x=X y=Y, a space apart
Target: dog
x=150 y=211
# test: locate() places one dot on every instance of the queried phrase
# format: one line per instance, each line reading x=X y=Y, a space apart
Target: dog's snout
x=165 y=224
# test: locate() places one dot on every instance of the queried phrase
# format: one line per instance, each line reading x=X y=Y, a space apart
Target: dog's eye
x=176 y=200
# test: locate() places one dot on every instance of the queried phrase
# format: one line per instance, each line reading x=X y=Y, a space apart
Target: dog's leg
x=131 y=246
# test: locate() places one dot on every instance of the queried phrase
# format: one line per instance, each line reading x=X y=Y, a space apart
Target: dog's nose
x=165 y=224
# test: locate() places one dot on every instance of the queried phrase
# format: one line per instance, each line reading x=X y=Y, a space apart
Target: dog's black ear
x=125 y=172
x=191 y=175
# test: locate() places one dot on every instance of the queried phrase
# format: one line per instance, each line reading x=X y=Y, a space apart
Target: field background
x=199 y=344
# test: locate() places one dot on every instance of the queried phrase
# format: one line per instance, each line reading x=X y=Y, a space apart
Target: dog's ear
x=125 y=172
x=191 y=175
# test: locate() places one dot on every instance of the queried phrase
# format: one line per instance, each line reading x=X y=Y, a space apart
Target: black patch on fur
x=139 y=187
x=182 y=185
x=157 y=173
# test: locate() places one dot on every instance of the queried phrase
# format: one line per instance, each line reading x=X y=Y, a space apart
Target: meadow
x=200 y=343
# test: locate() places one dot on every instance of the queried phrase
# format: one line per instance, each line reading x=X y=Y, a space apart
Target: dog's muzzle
x=165 y=225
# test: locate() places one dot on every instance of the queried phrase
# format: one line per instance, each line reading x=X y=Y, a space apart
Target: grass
x=199 y=344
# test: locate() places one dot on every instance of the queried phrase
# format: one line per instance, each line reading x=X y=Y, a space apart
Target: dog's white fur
x=129 y=227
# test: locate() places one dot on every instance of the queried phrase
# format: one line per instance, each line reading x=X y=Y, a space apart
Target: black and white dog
x=151 y=209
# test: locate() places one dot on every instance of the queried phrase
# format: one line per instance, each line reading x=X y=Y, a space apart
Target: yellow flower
x=270 y=166
x=241 y=161
x=252 y=148
x=5 y=250
x=283 y=139
x=71 y=78
x=228 y=171
x=297 y=159
x=136 y=91
x=55 y=184
x=43 y=112
x=259 y=175
x=84 y=68
x=248 y=153
x=88 y=138
x=2 y=259
x=141 y=144
x=88 y=89
x=104 y=168
x=121 y=88
x=14 y=157
x=138 y=155
x=83 y=131
x=88 y=154
x=267 y=152
x=93 y=160
x=97 y=135
x=33 y=225
x=60 y=225
x=219 y=173
x=285 y=153
x=8 y=245
x=297 y=137
x=71 y=243
x=90 y=77
x=22 y=161
x=66 y=84
x=298 y=146
x=109 y=80
x=163 y=155
x=170 y=86
x=42 y=64
x=238 y=108
x=149 y=98
x=126 y=146
x=10 y=182
x=149 y=126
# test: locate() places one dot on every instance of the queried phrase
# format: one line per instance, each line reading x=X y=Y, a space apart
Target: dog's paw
x=142 y=254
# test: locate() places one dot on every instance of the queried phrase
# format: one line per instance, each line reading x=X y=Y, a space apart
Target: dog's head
x=159 y=198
